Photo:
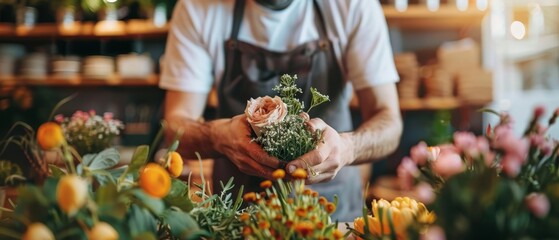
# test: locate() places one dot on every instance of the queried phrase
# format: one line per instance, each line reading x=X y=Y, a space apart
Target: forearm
x=194 y=136
x=376 y=138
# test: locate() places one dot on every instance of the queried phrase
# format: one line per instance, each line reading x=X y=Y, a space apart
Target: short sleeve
x=368 y=60
x=187 y=65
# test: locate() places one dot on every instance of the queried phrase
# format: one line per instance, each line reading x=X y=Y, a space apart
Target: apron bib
x=251 y=72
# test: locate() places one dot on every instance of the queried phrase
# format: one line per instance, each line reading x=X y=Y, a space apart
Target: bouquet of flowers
x=89 y=132
x=279 y=122
x=288 y=210
x=496 y=186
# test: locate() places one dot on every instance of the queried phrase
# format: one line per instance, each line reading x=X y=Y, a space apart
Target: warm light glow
x=433 y=5
x=482 y=4
x=401 y=5
x=518 y=30
x=462 y=5
x=111 y=1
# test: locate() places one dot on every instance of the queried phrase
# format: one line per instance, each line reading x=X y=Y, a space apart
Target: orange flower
x=314 y=194
x=322 y=201
x=155 y=180
x=301 y=212
x=71 y=193
x=319 y=225
x=266 y=184
x=175 y=164
x=307 y=192
x=247 y=231
x=299 y=173
x=290 y=200
x=249 y=197
x=263 y=225
x=278 y=217
x=244 y=217
x=304 y=228
x=278 y=174
x=337 y=234
x=50 y=136
x=330 y=207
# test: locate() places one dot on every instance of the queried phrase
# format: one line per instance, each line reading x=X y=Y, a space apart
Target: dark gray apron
x=251 y=72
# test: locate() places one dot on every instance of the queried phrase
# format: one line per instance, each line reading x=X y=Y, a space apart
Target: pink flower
x=489 y=158
x=539 y=111
x=424 y=193
x=511 y=165
x=420 y=153
x=108 y=116
x=464 y=141
x=407 y=172
x=538 y=204
x=59 y=118
x=433 y=233
x=536 y=139
x=433 y=153
x=505 y=140
x=449 y=163
x=92 y=112
x=265 y=111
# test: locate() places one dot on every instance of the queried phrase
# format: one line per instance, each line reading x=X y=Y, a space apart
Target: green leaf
x=179 y=196
x=182 y=225
x=106 y=159
x=155 y=205
x=32 y=204
x=173 y=146
x=49 y=188
x=140 y=221
x=106 y=194
x=7 y=233
x=145 y=236
x=139 y=159
x=56 y=171
x=103 y=177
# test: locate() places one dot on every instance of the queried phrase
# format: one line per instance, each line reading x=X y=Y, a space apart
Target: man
x=242 y=47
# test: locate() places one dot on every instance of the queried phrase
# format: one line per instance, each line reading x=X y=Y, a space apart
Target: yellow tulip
x=175 y=164
x=102 y=231
x=37 y=231
x=50 y=136
x=155 y=180
x=71 y=193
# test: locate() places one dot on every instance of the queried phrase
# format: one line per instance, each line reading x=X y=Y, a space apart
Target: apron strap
x=322 y=28
x=237 y=18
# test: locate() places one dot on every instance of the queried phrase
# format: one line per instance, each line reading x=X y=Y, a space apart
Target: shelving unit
x=446 y=17
x=86 y=30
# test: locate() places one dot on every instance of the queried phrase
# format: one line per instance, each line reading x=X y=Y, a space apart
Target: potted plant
x=156 y=11
x=10 y=177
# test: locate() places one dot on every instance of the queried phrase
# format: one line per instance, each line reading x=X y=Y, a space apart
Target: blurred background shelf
x=419 y=17
x=86 y=30
x=69 y=81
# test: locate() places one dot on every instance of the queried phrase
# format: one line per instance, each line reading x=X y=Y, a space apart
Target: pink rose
x=433 y=233
x=265 y=111
x=407 y=172
x=59 y=118
x=511 y=165
x=425 y=193
x=464 y=140
x=538 y=204
x=448 y=163
x=539 y=111
x=420 y=153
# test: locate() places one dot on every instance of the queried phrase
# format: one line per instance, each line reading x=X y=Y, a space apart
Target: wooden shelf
x=73 y=81
x=153 y=80
x=86 y=30
x=419 y=17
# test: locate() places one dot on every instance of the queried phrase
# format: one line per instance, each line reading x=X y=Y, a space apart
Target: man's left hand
x=333 y=152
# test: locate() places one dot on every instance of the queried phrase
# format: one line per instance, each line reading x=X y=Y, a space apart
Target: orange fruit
x=102 y=231
x=50 y=136
x=155 y=180
x=175 y=164
x=37 y=231
x=71 y=193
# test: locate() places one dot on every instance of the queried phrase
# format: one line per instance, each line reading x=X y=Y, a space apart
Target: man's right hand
x=232 y=138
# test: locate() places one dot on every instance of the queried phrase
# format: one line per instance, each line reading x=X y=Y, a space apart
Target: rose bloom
x=538 y=204
x=420 y=153
x=265 y=111
x=448 y=163
x=407 y=172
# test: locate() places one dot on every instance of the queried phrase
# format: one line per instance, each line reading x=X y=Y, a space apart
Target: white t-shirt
x=194 y=55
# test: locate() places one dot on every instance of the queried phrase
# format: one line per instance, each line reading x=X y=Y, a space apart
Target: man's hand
x=332 y=153
x=231 y=137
